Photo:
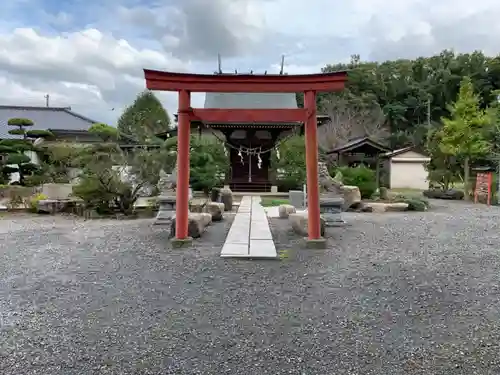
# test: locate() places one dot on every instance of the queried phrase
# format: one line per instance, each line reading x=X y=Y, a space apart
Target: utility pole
x=47 y=97
x=282 y=64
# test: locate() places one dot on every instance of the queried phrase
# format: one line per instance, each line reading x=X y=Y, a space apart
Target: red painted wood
x=248 y=116
x=169 y=81
x=183 y=134
x=312 y=167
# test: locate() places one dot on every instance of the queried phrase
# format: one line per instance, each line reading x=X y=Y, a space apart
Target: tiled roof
x=44 y=118
x=358 y=142
x=251 y=100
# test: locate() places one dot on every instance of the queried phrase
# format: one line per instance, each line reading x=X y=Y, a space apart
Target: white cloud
x=88 y=70
x=94 y=69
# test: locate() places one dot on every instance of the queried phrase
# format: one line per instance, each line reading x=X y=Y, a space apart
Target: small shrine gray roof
x=355 y=143
x=251 y=100
x=44 y=118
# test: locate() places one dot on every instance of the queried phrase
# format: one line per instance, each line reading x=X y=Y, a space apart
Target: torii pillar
x=184 y=84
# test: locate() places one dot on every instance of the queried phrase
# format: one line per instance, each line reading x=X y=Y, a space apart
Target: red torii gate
x=185 y=83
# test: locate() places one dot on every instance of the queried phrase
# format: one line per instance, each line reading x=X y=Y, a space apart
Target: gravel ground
x=394 y=294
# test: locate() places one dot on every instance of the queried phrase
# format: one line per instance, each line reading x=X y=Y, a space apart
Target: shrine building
x=249 y=145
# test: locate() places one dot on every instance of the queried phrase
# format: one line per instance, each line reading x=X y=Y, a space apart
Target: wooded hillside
x=414 y=93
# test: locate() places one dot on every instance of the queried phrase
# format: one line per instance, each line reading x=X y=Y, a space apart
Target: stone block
x=180 y=243
x=215 y=209
x=274 y=189
x=197 y=205
x=380 y=207
x=296 y=198
x=57 y=191
x=299 y=223
x=206 y=218
x=226 y=197
x=196 y=225
x=285 y=210
x=51 y=206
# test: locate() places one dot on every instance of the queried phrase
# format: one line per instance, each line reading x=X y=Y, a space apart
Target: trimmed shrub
x=33 y=202
x=38 y=133
x=417 y=204
x=362 y=177
x=20 y=122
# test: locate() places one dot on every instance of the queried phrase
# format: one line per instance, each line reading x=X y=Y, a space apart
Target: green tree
x=289 y=163
x=142 y=120
x=56 y=162
x=464 y=134
x=113 y=178
x=208 y=163
x=444 y=169
x=414 y=94
x=105 y=132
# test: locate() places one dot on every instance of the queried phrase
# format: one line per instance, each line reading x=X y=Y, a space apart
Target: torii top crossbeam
x=169 y=81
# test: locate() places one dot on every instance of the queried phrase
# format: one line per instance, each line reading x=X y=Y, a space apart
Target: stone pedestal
x=226 y=197
x=331 y=210
x=166 y=209
x=274 y=189
x=297 y=199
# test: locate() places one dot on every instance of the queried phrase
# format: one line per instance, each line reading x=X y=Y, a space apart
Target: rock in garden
x=299 y=223
x=396 y=207
x=51 y=206
x=352 y=197
x=215 y=209
x=197 y=205
x=379 y=207
x=285 y=210
x=451 y=194
x=226 y=197
x=206 y=218
x=196 y=225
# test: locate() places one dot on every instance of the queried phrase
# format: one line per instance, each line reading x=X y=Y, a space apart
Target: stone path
x=250 y=235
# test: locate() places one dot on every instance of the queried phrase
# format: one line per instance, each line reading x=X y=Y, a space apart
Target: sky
x=89 y=54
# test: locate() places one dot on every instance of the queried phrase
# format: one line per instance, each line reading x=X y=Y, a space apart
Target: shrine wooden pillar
x=311 y=132
x=183 y=135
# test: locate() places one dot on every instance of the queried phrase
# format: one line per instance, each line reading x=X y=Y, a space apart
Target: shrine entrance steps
x=249 y=235
x=261 y=187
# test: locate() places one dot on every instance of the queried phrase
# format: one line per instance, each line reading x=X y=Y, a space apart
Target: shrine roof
x=250 y=100
x=365 y=143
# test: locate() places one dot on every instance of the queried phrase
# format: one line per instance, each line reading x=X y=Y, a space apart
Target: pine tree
x=145 y=118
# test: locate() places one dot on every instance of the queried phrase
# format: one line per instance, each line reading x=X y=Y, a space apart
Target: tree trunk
x=466 y=178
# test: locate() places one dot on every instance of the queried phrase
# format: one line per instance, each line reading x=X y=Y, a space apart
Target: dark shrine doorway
x=250 y=157
x=247 y=169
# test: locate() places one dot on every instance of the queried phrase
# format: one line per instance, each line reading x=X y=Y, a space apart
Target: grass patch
x=273 y=202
